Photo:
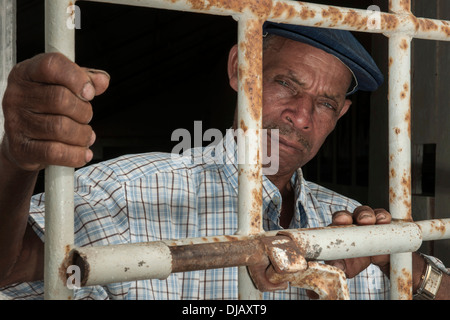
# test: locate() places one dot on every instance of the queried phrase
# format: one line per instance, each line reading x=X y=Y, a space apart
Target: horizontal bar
x=350 y=242
x=309 y=14
x=126 y=262
x=436 y=229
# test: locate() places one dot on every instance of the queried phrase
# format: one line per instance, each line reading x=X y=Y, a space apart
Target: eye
x=328 y=105
x=283 y=83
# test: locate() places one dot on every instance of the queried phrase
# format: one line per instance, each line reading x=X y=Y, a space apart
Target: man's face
x=304 y=95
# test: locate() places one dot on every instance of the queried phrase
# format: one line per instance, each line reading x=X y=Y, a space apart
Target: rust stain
x=439 y=226
x=307 y=14
x=408 y=121
x=389 y=21
x=404 y=44
x=446 y=29
x=391 y=61
x=354 y=20
x=404 y=283
x=397 y=130
x=231 y=238
x=427 y=25
x=393 y=173
x=243 y=126
x=333 y=14
x=251 y=83
x=406 y=5
x=392 y=195
x=260 y=8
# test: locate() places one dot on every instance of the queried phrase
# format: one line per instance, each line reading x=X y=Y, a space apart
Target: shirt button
x=276 y=199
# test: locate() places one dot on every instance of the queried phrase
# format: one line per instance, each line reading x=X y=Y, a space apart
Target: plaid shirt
x=149 y=197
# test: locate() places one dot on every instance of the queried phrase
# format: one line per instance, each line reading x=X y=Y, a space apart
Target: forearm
x=16 y=189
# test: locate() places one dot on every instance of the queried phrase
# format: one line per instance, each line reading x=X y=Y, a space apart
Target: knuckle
x=48 y=63
x=59 y=96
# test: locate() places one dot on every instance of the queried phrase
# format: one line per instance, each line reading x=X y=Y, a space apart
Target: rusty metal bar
x=310 y=14
x=117 y=263
x=400 y=205
x=249 y=121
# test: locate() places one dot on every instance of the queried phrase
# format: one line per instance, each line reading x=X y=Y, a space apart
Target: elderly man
x=307 y=75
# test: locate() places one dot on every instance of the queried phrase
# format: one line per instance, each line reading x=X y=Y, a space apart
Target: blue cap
x=340 y=43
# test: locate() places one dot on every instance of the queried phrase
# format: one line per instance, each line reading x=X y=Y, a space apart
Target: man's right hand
x=47 y=112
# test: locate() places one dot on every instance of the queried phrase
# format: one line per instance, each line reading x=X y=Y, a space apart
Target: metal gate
x=249 y=245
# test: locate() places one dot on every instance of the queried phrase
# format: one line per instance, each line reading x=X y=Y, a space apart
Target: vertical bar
x=249 y=139
x=7 y=46
x=59 y=181
x=400 y=148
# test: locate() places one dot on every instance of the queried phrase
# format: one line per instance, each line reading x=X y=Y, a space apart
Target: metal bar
x=249 y=122
x=437 y=229
x=400 y=148
x=7 y=46
x=360 y=20
x=59 y=181
x=309 y=14
x=107 y=264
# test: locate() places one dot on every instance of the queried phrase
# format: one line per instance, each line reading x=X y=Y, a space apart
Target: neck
x=282 y=182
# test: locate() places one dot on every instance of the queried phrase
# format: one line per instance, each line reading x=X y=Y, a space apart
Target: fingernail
x=89 y=155
x=88 y=91
x=93 y=137
x=99 y=71
x=364 y=216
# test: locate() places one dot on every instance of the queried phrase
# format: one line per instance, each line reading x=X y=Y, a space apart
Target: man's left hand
x=362 y=216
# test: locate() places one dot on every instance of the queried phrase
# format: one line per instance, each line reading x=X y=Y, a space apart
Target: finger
x=54 y=99
x=364 y=215
x=382 y=216
x=340 y=264
x=62 y=129
x=100 y=79
x=341 y=218
x=56 y=153
x=55 y=68
x=312 y=295
x=354 y=266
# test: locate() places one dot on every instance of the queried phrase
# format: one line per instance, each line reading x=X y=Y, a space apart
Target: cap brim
x=342 y=44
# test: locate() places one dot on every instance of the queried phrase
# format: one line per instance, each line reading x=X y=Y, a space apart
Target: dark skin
x=47 y=112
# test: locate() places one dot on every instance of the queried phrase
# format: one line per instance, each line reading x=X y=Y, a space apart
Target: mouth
x=299 y=145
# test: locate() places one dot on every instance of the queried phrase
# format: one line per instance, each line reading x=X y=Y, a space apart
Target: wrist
x=430 y=279
x=419 y=268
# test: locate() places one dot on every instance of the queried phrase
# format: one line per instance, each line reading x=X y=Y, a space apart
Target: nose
x=299 y=113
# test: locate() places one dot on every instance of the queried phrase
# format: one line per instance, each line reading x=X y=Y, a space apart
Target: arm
x=47 y=110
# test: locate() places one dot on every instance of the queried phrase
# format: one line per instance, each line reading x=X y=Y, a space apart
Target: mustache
x=290 y=133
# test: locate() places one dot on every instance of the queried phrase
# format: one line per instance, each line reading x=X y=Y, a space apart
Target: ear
x=347 y=104
x=233 y=67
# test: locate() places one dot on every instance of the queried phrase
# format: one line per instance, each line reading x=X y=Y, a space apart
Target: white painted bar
x=249 y=122
x=59 y=181
x=7 y=47
x=400 y=205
